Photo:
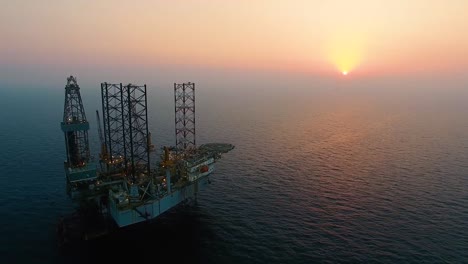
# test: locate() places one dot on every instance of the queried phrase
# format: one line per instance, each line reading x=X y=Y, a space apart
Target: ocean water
x=318 y=175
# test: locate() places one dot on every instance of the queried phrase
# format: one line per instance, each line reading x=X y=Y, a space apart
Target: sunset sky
x=362 y=37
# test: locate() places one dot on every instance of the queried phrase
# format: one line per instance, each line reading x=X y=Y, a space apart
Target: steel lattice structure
x=125 y=118
x=136 y=129
x=113 y=119
x=75 y=126
x=184 y=97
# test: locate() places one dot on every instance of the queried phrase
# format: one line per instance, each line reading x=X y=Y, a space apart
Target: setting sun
x=345 y=50
x=346 y=59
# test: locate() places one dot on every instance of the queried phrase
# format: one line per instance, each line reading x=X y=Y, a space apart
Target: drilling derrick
x=75 y=127
x=184 y=98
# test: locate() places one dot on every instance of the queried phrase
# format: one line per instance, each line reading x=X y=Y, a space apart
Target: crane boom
x=101 y=138
x=103 y=154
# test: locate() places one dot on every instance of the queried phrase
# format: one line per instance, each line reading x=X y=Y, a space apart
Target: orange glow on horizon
x=321 y=37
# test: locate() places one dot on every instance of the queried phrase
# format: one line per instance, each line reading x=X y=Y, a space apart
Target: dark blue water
x=318 y=175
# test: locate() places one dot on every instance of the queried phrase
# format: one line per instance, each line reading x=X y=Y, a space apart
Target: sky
x=368 y=38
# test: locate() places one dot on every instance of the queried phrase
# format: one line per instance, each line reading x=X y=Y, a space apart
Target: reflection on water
x=314 y=177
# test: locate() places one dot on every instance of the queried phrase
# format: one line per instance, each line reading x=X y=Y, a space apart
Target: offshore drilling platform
x=122 y=188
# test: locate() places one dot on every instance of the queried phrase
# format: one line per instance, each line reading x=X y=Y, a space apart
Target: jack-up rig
x=121 y=188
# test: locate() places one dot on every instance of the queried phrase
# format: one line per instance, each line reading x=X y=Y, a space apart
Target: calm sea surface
x=317 y=175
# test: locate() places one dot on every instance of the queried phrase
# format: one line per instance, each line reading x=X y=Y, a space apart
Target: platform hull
x=155 y=207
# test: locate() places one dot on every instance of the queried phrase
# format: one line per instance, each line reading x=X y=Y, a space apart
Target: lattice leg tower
x=114 y=125
x=184 y=98
x=136 y=130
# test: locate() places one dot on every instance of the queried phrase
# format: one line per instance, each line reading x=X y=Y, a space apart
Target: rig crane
x=103 y=155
